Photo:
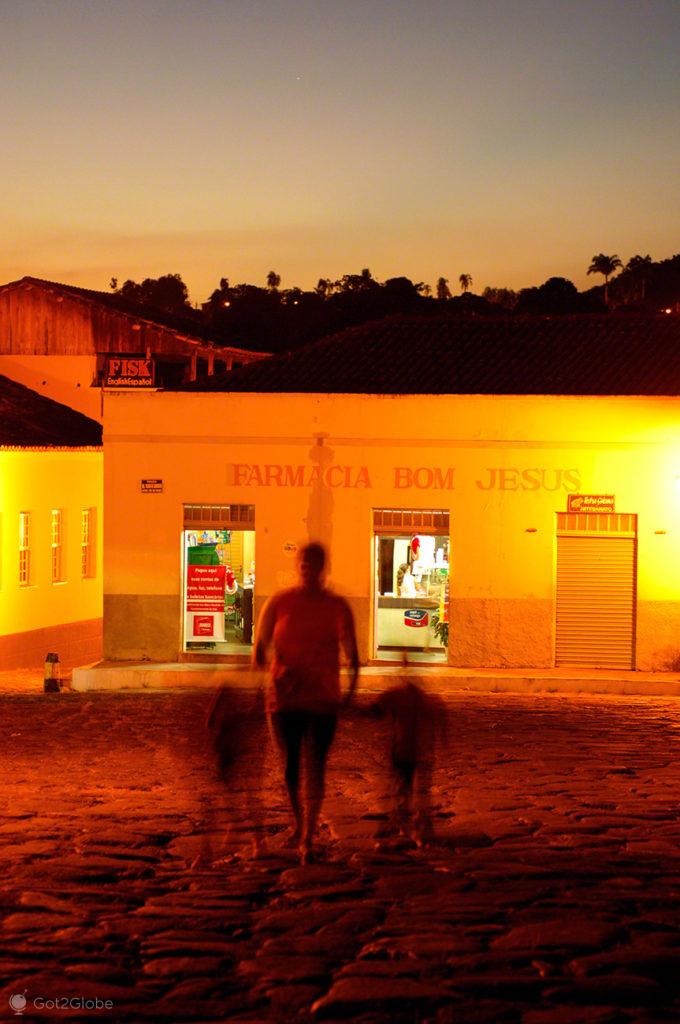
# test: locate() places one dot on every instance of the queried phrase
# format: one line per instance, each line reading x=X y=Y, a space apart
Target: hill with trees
x=274 y=319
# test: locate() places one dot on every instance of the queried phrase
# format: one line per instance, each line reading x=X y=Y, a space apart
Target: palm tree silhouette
x=605 y=265
x=465 y=280
x=273 y=280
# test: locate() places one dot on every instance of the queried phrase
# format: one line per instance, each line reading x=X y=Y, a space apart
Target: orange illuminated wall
x=317 y=465
x=55 y=607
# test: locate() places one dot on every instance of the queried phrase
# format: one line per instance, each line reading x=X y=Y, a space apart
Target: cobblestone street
x=550 y=895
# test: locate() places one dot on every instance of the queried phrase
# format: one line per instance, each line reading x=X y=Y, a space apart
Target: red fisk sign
x=128 y=372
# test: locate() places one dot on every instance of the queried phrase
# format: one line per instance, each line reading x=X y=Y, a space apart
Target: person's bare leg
x=288 y=737
x=293 y=787
x=318 y=744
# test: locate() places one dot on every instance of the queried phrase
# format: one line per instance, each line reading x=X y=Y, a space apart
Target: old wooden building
x=58 y=339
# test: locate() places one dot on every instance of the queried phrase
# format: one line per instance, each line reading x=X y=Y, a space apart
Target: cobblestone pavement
x=550 y=895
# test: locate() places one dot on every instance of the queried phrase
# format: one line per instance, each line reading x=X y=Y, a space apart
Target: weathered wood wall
x=35 y=320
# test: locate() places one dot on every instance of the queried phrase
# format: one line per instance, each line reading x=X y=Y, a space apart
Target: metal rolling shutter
x=595 y=600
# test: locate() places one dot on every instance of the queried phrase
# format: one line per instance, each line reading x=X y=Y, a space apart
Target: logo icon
x=417 y=618
x=18 y=1003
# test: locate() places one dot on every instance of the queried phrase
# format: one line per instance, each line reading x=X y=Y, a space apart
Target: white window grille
x=87 y=566
x=24 y=549
x=57 y=534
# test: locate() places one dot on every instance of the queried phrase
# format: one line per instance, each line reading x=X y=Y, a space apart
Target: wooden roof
x=45 y=318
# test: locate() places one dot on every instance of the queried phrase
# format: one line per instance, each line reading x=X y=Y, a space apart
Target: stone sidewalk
x=550 y=896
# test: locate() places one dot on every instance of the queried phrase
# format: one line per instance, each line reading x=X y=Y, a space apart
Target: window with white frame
x=57 y=536
x=24 y=549
x=87 y=561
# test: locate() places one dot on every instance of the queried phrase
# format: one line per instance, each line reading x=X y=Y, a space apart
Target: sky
x=506 y=139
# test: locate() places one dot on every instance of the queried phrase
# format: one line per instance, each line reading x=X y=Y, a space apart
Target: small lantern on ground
x=52 y=681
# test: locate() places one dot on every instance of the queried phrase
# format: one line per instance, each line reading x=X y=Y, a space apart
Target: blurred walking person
x=306 y=626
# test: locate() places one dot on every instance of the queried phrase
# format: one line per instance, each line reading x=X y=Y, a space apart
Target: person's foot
x=292 y=839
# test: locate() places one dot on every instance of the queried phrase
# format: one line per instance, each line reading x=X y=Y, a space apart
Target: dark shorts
x=316 y=731
x=292 y=727
x=404 y=770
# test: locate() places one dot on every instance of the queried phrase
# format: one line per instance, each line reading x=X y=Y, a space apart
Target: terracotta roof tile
x=29 y=420
x=571 y=355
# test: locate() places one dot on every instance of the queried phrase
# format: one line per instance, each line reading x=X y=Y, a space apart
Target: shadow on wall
x=320 y=507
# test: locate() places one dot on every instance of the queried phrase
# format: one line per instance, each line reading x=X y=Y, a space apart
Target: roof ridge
x=590 y=353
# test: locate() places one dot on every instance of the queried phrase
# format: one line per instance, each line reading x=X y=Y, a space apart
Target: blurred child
x=236 y=725
x=418 y=728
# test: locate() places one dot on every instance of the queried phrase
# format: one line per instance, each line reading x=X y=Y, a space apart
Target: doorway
x=218 y=572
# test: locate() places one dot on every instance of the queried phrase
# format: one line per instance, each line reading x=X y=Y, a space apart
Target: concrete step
x=441 y=679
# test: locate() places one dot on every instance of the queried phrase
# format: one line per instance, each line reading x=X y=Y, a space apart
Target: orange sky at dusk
x=508 y=139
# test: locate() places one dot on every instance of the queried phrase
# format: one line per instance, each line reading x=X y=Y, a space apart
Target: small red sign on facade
x=129 y=372
x=591 y=503
x=204 y=625
x=416 y=617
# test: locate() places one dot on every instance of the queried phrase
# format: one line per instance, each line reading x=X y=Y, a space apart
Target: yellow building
x=50 y=531
x=492 y=493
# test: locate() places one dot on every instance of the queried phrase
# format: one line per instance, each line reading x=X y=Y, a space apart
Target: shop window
x=24 y=549
x=57 y=544
x=412 y=564
x=87 y=544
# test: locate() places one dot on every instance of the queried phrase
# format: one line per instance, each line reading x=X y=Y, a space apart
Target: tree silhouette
x=504 y=298
x=324 y=287
x=443 y=291
x=556 y=296
x=168 y=293
x=362 y=282
x=640 y=268
x=273 y=280
x=605 y=265
x=465 y=280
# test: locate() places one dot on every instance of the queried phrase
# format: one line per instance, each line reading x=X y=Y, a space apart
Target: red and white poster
x=205 y=602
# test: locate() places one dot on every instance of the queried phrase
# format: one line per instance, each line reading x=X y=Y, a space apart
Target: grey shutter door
x=595 y=602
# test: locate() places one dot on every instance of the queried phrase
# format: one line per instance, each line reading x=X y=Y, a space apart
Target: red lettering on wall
x=293 y=476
